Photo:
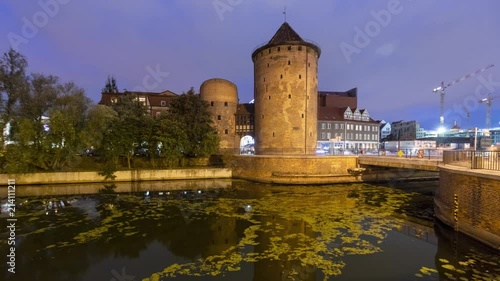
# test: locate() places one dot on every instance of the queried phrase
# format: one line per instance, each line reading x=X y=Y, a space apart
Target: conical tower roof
x=285 y=34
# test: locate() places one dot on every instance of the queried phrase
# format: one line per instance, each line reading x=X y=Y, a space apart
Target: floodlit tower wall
x=286 y=98
x=222 y=97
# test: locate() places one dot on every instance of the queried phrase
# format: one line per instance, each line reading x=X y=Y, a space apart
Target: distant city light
x=441 y=130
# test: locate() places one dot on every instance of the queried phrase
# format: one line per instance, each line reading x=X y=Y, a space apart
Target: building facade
x=385 y=130
x=346 y=129
x=155 y=103
x=406 y=130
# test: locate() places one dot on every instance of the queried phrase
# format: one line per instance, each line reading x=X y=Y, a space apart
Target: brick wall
x=470 y=202
x=293 y=169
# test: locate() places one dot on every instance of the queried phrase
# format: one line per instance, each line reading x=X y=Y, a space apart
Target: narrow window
x=273 y=134
x=267 y=65
x=269 y=97
x=264 y=79
x=219 y=117
x=281 y=76
x=288 y=62
x=279 y=49
x=302 y=115
x=300 y=76
x=309 y=64
x=225 y=103
x=269 y=50
x=163 y=103
x=289 y=48
x=226 y=131
x=300 y=48
x=289 y=96
x=211 y=103
x=262 y=117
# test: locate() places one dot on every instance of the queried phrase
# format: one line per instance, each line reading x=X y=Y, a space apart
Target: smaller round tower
x=222 y=97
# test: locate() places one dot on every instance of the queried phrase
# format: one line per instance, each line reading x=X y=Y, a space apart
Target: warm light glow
x=441 y=130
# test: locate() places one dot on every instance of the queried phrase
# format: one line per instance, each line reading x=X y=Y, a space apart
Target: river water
x=236 y=230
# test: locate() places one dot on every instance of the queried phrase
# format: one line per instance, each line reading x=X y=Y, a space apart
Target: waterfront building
x=385 y=129
x=410 y=130
x=286 y=94
x=154 y=102
x=346 y=129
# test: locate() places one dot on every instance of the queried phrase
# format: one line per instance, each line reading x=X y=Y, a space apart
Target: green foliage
x=52 y=122
x=168 y=140
x=46 y=118
x=110 y=86
x=192 y=113
x=99 y=118
x=13 y=82
x=126 y=132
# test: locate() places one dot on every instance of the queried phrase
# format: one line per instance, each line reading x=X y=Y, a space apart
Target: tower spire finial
x=284 y=13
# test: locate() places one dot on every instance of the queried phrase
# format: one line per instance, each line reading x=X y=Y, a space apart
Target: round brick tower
x=222 y=97
x=286 y=94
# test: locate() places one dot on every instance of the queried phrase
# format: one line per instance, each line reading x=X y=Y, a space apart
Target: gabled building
x=155 y=102
x=347 y=129
x=385 y=129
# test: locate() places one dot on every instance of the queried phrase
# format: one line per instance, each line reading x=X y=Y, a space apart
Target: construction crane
x=488 y=109
x=441 y=89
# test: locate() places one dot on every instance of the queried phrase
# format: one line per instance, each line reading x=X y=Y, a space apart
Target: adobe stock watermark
x=373 y=28
x=486 y=88
x=223 y=6
x=152 y=79
x=11 y=225
x=31 y=26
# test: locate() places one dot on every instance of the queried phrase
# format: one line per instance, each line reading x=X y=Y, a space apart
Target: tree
x=110 y=86
x=13 y=82
x=47 y=125
x=99 y=118
x=192 y=113
x=167 y=140
x=127 y=132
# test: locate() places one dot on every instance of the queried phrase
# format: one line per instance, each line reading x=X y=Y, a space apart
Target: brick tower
x=222 y=97
x=286 y=94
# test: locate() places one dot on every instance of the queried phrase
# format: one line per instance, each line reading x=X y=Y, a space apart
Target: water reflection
x=235 y=230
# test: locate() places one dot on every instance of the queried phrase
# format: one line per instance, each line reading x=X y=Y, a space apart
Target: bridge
x=427 y=164
x=484 y=160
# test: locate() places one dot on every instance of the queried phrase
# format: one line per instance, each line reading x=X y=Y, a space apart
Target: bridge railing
x=489 y=160
x=431 y=153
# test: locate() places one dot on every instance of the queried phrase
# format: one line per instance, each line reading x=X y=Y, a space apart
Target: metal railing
x=488 y=160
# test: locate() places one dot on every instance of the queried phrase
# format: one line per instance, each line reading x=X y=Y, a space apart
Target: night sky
x=395 y=52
